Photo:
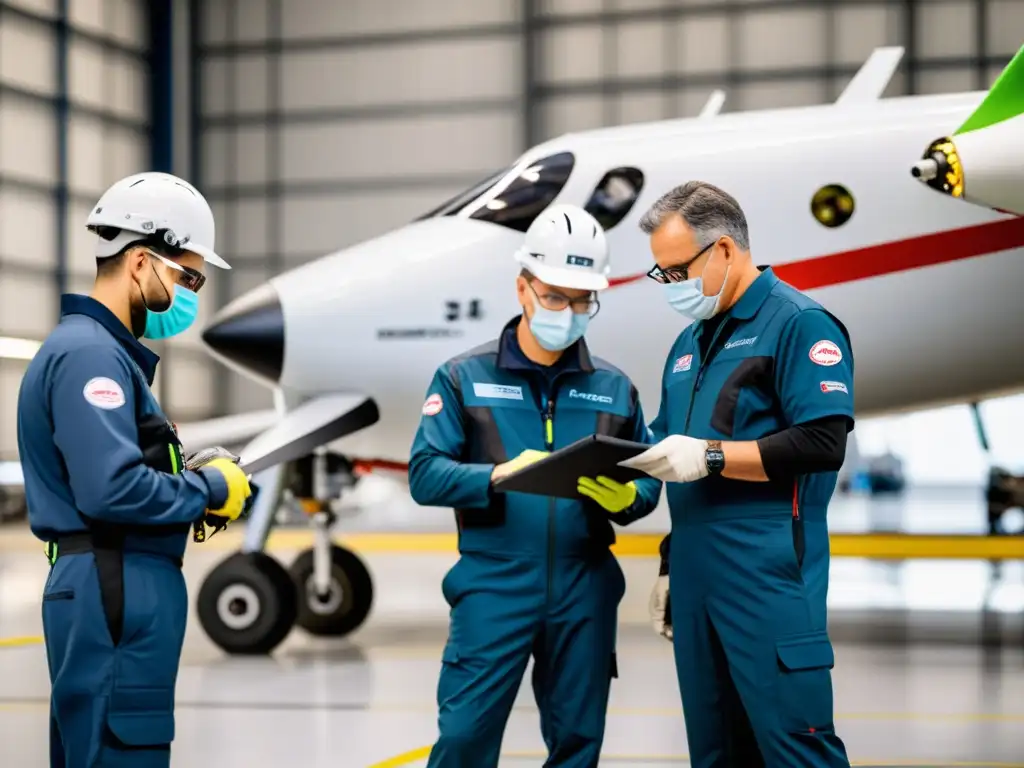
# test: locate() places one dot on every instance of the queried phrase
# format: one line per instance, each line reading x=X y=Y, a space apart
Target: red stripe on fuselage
x=896 y=256
x=860 y=264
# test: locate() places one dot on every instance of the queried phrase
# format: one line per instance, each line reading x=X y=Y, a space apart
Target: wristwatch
x=714 y=457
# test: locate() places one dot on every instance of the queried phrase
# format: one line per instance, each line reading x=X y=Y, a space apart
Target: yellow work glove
x=238 y=488
x=612 y=496
x=524 y=459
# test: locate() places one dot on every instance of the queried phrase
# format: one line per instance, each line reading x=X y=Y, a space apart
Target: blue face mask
x=559 y=330
x=178 y=317
x=688 y=299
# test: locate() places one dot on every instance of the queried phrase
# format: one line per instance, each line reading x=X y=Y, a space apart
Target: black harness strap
x=107 y=547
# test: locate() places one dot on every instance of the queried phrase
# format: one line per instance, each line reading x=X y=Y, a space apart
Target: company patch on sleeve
x=433 y=405
x=825 y=353
x=834 y=386
x=104 y=393
x=682 y=363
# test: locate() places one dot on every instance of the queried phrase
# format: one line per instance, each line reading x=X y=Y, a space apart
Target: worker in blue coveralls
x=756 y=404
x=105 y=484
x=535 y=574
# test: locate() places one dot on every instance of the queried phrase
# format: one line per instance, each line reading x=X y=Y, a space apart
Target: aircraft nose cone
x=250 y=332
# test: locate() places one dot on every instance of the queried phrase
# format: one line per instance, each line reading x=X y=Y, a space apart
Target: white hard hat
x=146 y=204
x=566 y=247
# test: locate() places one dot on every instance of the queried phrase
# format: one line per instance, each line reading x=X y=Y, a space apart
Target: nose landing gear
x=249 y=603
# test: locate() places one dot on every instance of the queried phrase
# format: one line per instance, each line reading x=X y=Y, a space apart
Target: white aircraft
x=926 y=284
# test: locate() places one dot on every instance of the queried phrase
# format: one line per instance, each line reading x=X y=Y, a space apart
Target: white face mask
x=557 y=330
x=688 y=299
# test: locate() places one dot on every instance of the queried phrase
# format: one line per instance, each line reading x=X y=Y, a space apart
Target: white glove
x=676 y=459
x=657 y=606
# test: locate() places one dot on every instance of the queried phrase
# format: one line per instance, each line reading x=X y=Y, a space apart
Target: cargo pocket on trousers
x=804 y=682
x=454 y=677
x=141 y=717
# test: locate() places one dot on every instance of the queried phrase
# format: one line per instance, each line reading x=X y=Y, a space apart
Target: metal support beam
x=531 y=63
x=161 y=121
x=161 y=85
x=908 y=12
x=62 y=109
x=981 y=44
x=104 y=42
x=734 y=77
x=232 y=192
x=275 y=164
x=610 y=112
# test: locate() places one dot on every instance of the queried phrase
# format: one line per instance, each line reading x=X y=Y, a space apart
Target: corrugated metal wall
x=74 y=117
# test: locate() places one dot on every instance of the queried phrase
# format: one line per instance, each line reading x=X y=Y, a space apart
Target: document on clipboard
x=557 y=474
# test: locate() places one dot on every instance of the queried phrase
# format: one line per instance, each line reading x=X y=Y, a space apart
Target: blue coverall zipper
x=700 y=373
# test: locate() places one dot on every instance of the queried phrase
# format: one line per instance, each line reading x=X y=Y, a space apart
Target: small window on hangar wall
x=615 y=195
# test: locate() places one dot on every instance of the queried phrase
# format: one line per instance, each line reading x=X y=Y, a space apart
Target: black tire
x=348 y=602
x=248 y=604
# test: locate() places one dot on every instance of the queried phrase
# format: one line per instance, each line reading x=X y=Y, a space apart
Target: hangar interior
x=311 y=126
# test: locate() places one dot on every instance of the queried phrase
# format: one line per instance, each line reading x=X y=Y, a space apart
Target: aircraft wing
x=983 y=160
x=226 y=431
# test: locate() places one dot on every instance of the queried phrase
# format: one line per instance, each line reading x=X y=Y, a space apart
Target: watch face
x=715 y=460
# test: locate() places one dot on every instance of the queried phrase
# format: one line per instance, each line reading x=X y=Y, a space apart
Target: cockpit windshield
x=454 y=205
x=521 y=199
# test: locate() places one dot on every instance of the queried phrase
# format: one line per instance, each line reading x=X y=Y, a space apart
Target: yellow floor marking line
x=883 y=546
x=20 y=642
x=422 y=753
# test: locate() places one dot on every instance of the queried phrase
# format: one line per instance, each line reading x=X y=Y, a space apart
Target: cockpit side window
x=519 y=203
x=614 y=196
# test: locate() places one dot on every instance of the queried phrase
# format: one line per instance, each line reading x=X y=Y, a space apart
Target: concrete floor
x=929 y=671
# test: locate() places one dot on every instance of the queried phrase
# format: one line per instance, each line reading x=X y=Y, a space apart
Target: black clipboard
x=556 y=475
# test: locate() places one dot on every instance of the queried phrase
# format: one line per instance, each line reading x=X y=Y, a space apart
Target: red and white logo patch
x=104 y=393
x=825 y=353
x=433 y=405
x=682 y=363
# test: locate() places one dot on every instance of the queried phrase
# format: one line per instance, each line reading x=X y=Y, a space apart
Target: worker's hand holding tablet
x=558 y=474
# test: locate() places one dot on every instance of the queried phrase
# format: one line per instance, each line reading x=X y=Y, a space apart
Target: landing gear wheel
x=348 y=600
x=248 y=604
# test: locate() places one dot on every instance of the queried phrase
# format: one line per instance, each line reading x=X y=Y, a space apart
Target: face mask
x=177 y=318
x=556 y=331
x=140 y=311
x=688 y=299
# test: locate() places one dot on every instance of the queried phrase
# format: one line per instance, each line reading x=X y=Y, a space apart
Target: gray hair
x=706 y=209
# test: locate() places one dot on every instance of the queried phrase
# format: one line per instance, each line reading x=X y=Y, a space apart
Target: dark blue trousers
x=502 y=612
x=752 y=652
x=112 y=696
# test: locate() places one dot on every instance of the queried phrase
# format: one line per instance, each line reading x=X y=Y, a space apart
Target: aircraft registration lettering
x=499 y=391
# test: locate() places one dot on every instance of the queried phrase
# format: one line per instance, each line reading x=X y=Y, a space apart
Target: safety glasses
x=187 y=278
x=678 y=274
x=556 y=302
